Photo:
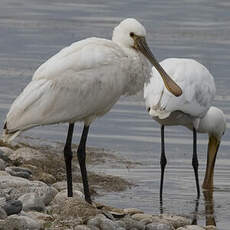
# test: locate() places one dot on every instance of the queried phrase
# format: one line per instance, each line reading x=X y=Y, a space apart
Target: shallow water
x=31 y=31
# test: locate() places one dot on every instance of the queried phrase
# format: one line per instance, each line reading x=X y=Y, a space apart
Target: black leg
x=195 y=163
x=163 y=162
x=68 y=160
x=81 y=158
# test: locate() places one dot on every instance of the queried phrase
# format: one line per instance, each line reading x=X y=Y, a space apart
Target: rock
x=62 y=185
x=132 y=224
x=191 y=227
x=74 y=210
x=101 y=222
x=26 y=154
x=176 y=221
x=12 y=207
x=82 y=227
x=5 y=153
x=210 y=227
x=121 y=224
x=31 y=201
x=19 y=172
x=159 y=226
x=107 y=224
x=3 y=214
x=147 y=221
x=2 y=165
x=17 y=186
x=19 y=223
x=132 y=211
x=62 y=196
x=4 y=173
x=140 y=216
x=42 y=218
x=2 y=201
x=47 y=178
x=91 y=227
x=48 y=194
x=96 y=221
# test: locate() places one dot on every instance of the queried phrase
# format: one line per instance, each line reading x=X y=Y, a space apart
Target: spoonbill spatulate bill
x=82 y=82
x=192 y=109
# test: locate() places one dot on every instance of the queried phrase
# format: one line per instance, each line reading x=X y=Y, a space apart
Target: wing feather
x=80 y=82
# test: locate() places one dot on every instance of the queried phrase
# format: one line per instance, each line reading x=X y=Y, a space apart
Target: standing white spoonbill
x=192 y=109
x=81 y=83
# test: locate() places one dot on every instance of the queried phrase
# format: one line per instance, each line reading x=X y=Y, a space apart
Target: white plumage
x=79 y=83
x=82 y=82
x=192 y=109
x=196 y=82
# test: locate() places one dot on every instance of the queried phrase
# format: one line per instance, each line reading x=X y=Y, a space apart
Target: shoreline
x=33 y=188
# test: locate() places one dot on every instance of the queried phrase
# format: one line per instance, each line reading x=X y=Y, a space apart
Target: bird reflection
x=209 y=209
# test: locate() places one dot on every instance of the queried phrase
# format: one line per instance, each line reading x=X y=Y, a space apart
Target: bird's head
x=131 y=34
x=215 y=124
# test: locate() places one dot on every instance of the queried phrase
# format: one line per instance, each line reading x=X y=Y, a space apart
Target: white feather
x=82 y=81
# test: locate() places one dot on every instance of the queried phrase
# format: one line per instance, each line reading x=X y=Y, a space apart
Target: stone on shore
x=31 y=201
x=191 y=227
x=19 y=172
x=18 y=186
x=12 y=207
x=20 y=223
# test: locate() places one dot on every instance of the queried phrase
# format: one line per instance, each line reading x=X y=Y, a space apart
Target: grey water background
x=33 y=30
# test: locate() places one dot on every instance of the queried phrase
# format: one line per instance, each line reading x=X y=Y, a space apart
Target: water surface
x=31 y=31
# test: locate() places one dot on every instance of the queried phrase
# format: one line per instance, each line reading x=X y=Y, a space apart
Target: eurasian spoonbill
x=192 y=109
x=81 y=83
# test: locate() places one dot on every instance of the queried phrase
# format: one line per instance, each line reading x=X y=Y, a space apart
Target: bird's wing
x=86 y=54
x=195 y=81
x=76 y=84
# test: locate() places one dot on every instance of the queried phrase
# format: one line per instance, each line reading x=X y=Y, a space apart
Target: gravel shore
x=33 y=194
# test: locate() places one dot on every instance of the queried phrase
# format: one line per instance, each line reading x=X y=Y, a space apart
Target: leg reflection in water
x=209 y=209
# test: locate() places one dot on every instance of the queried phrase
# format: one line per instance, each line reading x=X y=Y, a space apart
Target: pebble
x=82 y=227
x=5 y=153
x=132 y=211
x=131 y=223
x=62 y=196
x=140 y=216
x=210 y=227
x=47 y=178
x=2 y=165
x=18 y=186
x=12 y=207
x=159 y=226
x=26 y=154
x=19 y=223
x=4 y=173
x=19 y=172
x=3 y=214
x=191 y=227
x=31 y=201
x=176 y=221
x=42 y=218
x=62 y=185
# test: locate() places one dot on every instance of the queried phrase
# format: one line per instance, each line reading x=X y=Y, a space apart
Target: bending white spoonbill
x=81 y=83
x=192 y=109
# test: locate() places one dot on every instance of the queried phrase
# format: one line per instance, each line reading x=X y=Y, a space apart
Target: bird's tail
x=8 y=136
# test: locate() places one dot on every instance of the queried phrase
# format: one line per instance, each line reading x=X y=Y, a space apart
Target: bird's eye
x=148 y=109
x=131 y=34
